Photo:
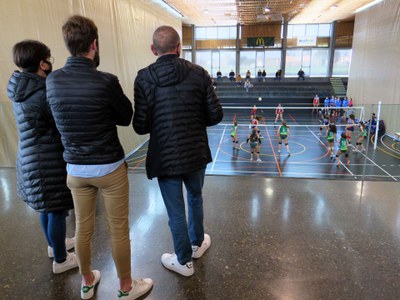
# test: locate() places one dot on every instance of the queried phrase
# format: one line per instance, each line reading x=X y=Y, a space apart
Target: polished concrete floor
x=272 y=238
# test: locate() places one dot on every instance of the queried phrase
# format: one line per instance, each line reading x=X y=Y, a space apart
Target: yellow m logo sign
x=260 y=41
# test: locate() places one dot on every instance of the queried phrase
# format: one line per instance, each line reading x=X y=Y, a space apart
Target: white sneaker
x=199 y=251
x=69 y=263
x=69 y=244
x=170 y=261
x=87 y=291
x=258 y=160
x=139 y=288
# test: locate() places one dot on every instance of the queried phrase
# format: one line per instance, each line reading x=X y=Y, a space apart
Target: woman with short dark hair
x=41 y=170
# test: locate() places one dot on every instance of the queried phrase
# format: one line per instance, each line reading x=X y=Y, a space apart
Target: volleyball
x=259 y=99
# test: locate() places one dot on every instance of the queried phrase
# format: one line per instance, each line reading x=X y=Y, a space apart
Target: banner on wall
x=260 y=41
x=307 y=41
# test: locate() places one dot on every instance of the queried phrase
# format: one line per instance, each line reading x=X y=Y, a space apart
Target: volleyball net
x=294 y=116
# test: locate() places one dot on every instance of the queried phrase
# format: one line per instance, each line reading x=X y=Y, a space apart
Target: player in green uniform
x=255 y=143
x=235 y=143
x=283 y=133
x=330 y=137
x=361 y=137
x=343 y=148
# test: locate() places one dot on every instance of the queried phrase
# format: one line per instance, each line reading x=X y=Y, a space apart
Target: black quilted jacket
x=175 y=102
x=87 y=106
x=41 y=173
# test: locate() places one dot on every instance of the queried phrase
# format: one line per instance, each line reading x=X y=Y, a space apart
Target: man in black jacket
x=87 y=106
x=175 y=102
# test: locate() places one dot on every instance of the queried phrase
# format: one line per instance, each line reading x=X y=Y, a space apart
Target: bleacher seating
x=288 y=91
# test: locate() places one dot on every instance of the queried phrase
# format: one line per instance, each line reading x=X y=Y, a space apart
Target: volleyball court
x=310 y=155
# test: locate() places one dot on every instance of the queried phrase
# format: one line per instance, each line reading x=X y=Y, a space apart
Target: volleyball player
x=255 y=143
x=361 y=137
x=315 y=104
x=283 y=133
x=343 y=149
x=279 y=113
x=235 y=142
x=324 y=123
x=331 y=137
x=350 y=127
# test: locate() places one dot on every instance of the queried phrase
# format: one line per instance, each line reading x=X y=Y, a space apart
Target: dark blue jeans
x=54 y=227
x=183 y=236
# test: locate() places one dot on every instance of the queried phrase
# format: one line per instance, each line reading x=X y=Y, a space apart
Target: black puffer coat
x=87 y=106
x=175 y=102
x=41 y=172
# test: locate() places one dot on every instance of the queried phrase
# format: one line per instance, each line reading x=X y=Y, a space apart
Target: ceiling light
x=205 y=11
x=368 y=5
x=334 y=6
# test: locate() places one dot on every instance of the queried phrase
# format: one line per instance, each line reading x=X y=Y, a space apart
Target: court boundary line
x=219 y=147
x=375 y=163
x=273 y=152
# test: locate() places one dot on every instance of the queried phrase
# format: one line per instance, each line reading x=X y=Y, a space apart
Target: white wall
x=125 y=34
x=375 y=66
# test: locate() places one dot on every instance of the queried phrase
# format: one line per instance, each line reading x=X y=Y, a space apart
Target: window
x=309 y=30
x=203 y=58
x=247 y=62
x=324 y=30
x=314 y=62
x=272 y=62
x=341 y=62
x=319 y=63
x=187 y=55
x=215 y=33
x=214 y=60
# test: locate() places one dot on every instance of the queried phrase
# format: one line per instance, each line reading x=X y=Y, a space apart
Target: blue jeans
x=172 y=193
x=54 y=227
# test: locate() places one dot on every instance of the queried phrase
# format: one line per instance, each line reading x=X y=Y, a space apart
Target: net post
x=377 y=123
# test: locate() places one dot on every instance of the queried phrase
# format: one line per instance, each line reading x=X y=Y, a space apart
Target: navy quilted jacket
x=41 y=173
x=87 y=106
x=175 y=102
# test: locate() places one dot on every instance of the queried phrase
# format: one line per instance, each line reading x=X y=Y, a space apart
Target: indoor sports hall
x=302 y=223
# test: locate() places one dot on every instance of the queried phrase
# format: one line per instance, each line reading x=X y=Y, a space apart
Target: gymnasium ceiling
x=247 y=12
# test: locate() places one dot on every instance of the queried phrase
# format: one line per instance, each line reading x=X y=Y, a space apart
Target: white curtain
x=125 y=34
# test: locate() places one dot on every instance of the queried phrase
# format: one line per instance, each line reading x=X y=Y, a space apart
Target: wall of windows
x=307 y=47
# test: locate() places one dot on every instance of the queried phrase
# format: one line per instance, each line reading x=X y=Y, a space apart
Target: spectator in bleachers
x=238 y=80
x=248 y=75
x=264 y=74
x=247 y=85
x=219 y=75
x=232 y=76
x=278 y=75
x=259 y=75
x=301 y=74
x=351 y=102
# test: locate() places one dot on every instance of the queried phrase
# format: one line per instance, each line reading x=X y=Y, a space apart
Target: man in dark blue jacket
x=87 y=106
x=175 y=102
